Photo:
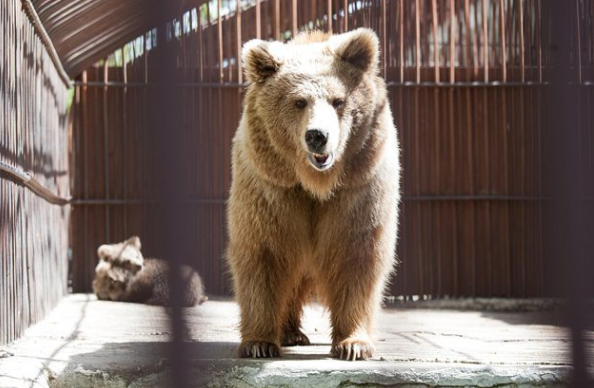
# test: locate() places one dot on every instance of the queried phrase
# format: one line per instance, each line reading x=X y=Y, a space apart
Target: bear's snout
x=316 y=140
x=319 y=157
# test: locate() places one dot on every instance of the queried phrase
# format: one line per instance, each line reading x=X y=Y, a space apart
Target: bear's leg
x=292 y=334
x=352 y=317
x=262 y=289
x=353 y=293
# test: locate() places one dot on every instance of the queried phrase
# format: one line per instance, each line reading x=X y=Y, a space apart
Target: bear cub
x=123 y=274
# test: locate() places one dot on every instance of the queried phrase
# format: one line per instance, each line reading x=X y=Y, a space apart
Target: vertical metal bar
x=277 y=20
x=452 y=42
x=346 y=15
x=502 y=37
x=401 y=31
x=125 y=138
x=329 y=11
x=522 y=44
x=418 y=41
x=439 y=257
x=384 y=39
x=258 y=20
x=468 y=34
x=220 y=142
x=312 y=12
x=485 y=41
x=507 y=267
x=106 y=147
x=201 y=59
x=452 y=148
x=239 y=43
x=294 y=26
x=471 y=186
x=220 y=41
x=434 y=18
x=77 y=281
x=539 y=38
x=487 y=206
x=418 y=278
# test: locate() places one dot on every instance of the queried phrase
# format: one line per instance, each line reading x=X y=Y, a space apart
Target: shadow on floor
x=134 y=358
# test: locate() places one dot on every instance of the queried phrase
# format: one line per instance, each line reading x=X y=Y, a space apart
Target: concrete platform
x=90 y=343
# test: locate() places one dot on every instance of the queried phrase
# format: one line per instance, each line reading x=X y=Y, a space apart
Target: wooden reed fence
x=34 y=138
x=468 y=81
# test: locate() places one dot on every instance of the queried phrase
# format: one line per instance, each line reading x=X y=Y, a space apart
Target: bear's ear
x=134 y=241
x=260 y=59
x=359 y=47
x=106 y=252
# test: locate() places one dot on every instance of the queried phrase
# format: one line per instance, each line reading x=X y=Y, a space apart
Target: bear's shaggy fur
x=124 y=275
x=306 y=220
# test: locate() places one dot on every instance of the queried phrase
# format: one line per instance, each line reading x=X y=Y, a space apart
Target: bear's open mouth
x=321 y=162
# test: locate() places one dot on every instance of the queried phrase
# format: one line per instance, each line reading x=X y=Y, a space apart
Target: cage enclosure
x=471 y=86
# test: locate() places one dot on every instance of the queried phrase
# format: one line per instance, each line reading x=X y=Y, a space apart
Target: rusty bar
x=329 y=13
x=106 y=166
x=239 y=43
x=485 y=41
x=45 y=39
x=418 y=41
x=294 y=26
x=539 y=38
x=220 y=42
x=468 y=34
x=401 y=33
x=522 y=46
x=384 y=39
x=346 y=15
x=125 y=126
x=452 y=42
x=277 y=20
x=502 y=35
x=434 y=18
x=258 y=20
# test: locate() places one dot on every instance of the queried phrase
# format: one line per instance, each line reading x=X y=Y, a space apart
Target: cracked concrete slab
x=90 y=343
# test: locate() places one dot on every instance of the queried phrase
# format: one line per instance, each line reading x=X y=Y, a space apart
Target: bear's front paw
x=352 y=349
x=258 y=349
x=295 y=338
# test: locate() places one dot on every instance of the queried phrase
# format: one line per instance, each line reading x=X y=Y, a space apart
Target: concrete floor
x=90 y=343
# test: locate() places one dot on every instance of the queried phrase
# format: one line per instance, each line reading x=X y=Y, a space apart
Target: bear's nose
x=316 y=140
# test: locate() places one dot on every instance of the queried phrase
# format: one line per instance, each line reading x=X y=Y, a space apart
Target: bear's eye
x=300 y=104
x=338 y=103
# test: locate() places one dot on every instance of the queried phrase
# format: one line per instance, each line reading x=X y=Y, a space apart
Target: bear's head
x=118 y=263
x=110 y=281
x=309 y=106
x=126 y=254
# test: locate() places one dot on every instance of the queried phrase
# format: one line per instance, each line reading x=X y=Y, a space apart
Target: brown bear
x=315 y=190
x=124 y=275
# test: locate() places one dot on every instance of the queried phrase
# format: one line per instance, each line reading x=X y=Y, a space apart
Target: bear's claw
x=258 y=349
x=353 y=349
x=295 y=338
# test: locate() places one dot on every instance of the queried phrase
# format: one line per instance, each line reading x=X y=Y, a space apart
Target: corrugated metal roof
x=84 y=31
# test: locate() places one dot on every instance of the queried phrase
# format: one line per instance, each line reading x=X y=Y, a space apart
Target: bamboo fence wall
x=33 y=137
x=468 y=82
